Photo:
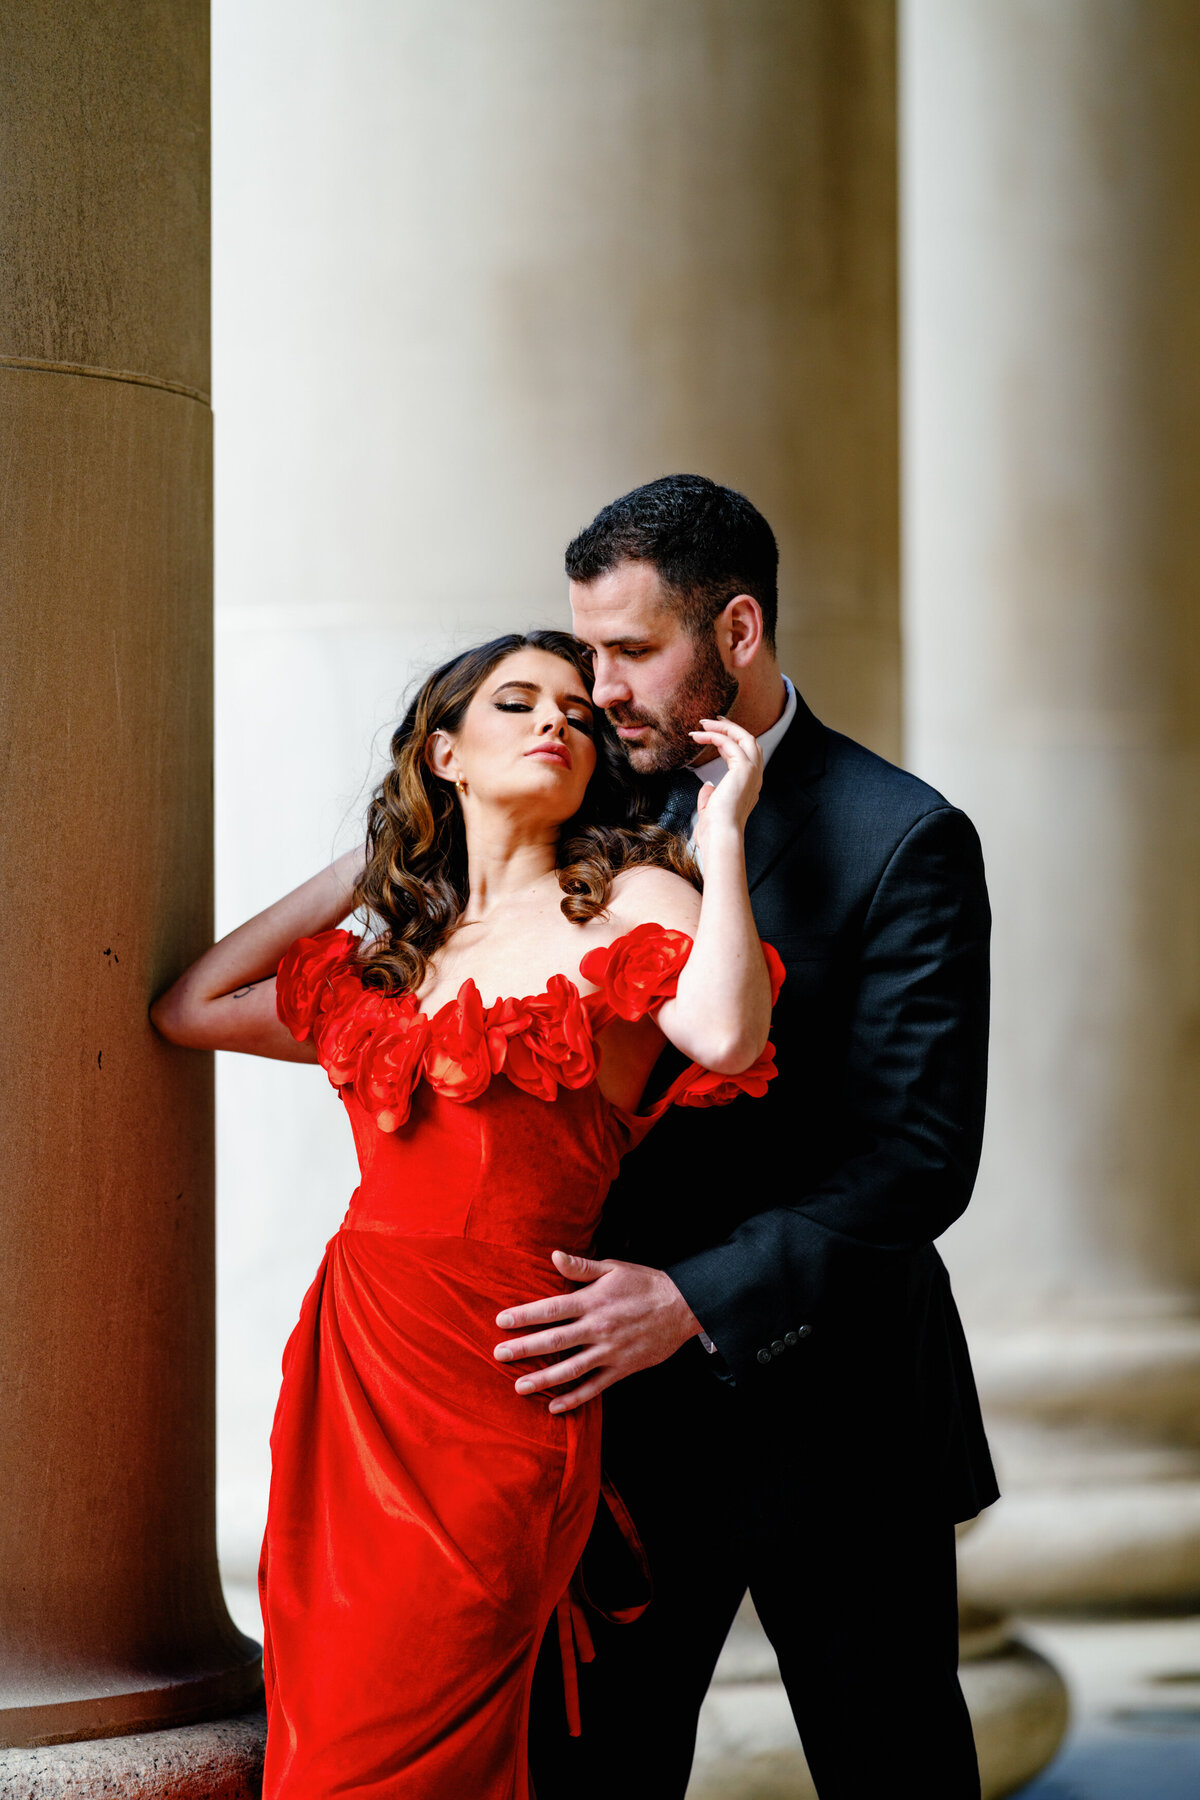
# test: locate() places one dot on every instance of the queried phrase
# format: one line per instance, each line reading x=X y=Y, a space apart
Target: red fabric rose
x=704 y=1087
x=775 y=970
x=458 y=1061
x=390 y=1065
x=640 y=970
x=348 y=1019
x=506 y=1020
x=303 y=976
x=556 y=1049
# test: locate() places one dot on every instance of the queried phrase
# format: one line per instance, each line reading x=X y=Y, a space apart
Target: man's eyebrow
x=624 y=643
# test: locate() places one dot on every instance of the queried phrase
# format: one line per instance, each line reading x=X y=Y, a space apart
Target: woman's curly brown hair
x=415 y=879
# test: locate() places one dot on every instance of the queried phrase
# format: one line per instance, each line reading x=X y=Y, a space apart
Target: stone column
x=1052 y=652
x=111 y=1615
x=478 y=269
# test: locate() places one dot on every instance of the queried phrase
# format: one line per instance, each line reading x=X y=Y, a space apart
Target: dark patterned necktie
x=679 y=807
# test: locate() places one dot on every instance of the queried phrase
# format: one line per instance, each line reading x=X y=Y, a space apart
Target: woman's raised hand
x=731 y=801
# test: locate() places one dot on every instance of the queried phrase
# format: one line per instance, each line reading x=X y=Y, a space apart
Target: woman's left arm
x=226 y=999
x=720 y=1015
x=622 y=1316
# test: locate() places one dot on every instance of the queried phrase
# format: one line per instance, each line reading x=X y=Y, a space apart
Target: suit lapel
x=790 y=794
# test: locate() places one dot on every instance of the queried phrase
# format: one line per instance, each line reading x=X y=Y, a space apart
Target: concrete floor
x=1135 y=1698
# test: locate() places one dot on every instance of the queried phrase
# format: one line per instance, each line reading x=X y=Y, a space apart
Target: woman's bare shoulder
x=659 y=896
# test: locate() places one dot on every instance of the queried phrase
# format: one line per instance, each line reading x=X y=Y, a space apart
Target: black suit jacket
x=799 y=1227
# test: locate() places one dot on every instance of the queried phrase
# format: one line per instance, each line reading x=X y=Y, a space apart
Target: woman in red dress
x=491 y=1043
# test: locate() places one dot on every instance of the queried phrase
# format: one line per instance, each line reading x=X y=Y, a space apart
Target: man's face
x=653 y=678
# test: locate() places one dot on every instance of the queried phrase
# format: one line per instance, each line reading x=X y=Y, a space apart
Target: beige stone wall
x=479 y=273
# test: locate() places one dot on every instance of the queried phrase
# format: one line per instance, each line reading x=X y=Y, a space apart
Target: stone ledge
x=1131 y=1545
x=221 y=1759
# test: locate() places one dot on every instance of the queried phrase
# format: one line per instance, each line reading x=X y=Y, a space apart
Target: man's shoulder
x=859 y=784
x=853 y=768
x=834 y=804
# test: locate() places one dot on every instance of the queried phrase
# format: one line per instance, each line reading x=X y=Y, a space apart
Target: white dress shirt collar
x=768 y=740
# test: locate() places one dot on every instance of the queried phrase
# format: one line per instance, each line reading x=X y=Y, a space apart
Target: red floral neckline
x=380 y=1046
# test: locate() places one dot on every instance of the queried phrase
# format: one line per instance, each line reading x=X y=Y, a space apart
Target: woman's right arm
x=226 y=999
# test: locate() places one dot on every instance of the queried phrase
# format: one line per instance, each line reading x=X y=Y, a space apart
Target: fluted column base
x=220 y=1760
x=747 y=1747
x=95 y=1703
x=1096 y=1436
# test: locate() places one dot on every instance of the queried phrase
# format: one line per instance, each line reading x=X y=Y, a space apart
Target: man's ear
x=739 y=628
x=439 y=754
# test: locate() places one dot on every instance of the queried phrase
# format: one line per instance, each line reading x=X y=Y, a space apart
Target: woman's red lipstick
x=559 y=752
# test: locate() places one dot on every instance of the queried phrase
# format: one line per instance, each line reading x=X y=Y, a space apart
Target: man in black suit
x=790 y=1405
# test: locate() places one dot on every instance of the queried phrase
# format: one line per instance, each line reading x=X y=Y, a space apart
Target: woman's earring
x=460 y=784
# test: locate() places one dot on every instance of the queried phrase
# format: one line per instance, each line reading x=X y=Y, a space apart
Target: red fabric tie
x=574 y=1635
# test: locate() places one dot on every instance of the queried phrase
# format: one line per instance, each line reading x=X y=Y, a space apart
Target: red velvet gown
x=424 y=1518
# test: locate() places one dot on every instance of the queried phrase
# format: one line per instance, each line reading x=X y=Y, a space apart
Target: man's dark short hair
x=707 y=542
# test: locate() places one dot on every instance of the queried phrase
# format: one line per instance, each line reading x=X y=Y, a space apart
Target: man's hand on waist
x=622 y=1317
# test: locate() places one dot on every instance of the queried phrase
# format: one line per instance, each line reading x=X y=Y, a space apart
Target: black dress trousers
x=857 y=1595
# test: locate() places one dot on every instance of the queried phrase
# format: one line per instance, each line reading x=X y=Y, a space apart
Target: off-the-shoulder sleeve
x=302 y=980
x=636 y=973
x=698 y=1086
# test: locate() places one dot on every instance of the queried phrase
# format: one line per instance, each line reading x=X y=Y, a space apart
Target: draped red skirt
x=424 y=1521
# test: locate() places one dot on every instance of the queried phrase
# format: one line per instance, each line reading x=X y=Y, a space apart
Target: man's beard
x=707 y=692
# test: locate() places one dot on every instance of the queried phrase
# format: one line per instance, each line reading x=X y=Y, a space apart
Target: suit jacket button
x=791 y=1338
x=804 y=1331
x=777 y=1348
x=764 y=1356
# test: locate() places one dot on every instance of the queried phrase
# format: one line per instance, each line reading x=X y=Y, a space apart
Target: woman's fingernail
x=504 y=1320
x=502 y=1353
x=523 y=1386
x=556 y=1406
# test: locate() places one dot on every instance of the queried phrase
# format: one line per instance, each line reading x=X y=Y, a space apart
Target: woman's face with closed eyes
x=527 y=738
